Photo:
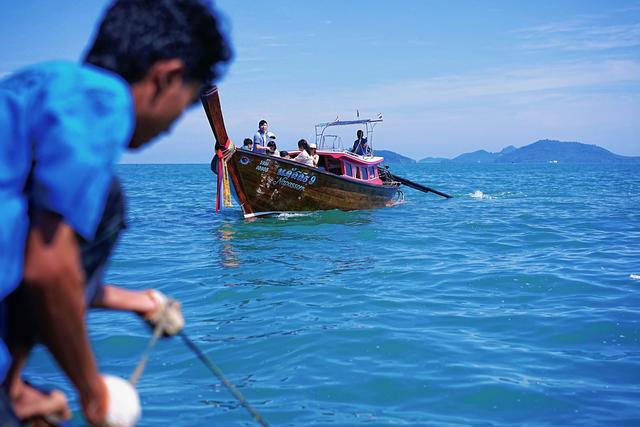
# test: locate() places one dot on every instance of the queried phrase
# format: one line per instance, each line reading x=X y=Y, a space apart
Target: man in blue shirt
x=62 y=129
x=260 y=139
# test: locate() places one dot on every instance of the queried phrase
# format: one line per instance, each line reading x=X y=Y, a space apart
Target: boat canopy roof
x=322 y=140
x=348 y=122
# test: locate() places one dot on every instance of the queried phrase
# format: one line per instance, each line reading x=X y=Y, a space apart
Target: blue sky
x=449 y=77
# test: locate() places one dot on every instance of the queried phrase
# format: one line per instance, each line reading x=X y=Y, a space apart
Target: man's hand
x=167 y=312
x=30 y=402
x=151 y=305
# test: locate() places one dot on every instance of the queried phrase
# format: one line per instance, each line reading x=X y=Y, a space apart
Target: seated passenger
x=313 y=153
x=271 y=148
x=285 y=155
x=247 y=145
x=305 y=153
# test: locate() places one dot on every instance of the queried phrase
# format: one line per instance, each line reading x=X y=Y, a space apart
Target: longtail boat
x=264 y=184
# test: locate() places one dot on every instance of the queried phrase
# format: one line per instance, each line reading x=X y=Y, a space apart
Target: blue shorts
x=95 y=253
x=8 y=418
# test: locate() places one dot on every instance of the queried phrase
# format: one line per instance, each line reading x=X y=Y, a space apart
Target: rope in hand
x=52 y=420
x=157 y=333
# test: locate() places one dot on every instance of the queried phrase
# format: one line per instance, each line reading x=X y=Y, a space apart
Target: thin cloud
x=498 y=82
x=580 y=34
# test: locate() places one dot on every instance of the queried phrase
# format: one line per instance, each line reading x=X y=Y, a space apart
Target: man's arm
x=116 y=298
x=258 y=142
x=54 y=282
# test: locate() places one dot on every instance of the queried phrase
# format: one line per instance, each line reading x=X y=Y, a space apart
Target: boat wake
x=480 y=195
x=288 y=215
x=634 y=276
x=397 y=203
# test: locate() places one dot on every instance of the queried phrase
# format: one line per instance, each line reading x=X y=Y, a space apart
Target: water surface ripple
x=513 y=303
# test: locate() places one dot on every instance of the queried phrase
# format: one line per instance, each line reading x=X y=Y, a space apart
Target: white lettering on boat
x=297 y=175
x=263 y=166
x=283 y=181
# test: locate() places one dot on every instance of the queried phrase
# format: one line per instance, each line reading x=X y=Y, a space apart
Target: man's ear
x=159 y=77
x=164 y=74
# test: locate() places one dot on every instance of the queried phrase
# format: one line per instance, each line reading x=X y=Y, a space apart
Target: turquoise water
x=515 y=303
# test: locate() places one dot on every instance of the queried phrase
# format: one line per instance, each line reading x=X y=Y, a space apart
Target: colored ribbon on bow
x=223 y=194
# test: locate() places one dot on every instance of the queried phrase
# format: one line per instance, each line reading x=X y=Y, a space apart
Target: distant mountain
x=480 y=156
x=542 y=151
x=546 y=150
x=509 y=149
x=393 y=157
x=433 y=160
x=483 y=156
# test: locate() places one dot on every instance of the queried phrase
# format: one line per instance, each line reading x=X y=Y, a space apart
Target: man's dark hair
x=135 y=34
x=247 y=141
x=303 y=145
x=262 y=122
x=284 y=153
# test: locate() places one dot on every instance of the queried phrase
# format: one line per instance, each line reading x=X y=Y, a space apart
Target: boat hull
x=267 y=184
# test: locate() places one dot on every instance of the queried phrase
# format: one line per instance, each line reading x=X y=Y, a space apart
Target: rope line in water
x=157 y=332
x=218 y=373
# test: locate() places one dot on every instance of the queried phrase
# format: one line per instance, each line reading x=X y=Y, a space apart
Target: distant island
x=483 y=156
x=566 y=152
x=393 y=157
x=543 y=151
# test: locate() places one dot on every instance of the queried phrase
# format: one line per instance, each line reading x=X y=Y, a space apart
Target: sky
x=449 y=77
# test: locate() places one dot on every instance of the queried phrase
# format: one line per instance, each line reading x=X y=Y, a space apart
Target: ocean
x=515 y=303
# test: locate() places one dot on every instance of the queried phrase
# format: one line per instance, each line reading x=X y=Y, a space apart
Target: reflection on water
x=241 y=241
x=228 y=255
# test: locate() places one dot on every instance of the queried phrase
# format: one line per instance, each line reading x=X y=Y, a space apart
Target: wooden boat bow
x=223 y=148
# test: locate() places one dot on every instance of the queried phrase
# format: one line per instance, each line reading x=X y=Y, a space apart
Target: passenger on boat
x=272 y=139
x=247 y=144
x=304 y=156
x=260 y=139
x=313 y=149
x=360 y=145
x=272 y=149
x=285 y=155
x=52 y=227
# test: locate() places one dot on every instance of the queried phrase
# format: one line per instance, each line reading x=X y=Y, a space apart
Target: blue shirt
x=63 y=126
x=260 y=138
